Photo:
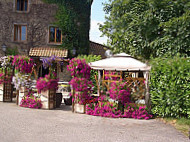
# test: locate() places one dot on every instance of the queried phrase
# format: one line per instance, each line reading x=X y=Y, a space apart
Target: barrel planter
x=48 y=99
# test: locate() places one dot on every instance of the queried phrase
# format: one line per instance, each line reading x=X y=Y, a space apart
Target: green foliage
x=73 y=17
x=13 y=51
x=88 y=59
x=170 y=88
x=148 y=28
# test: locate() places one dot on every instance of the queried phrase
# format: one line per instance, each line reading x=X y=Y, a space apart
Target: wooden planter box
x=22 y=92
x=6 y=92
x=79 y=108
x=76 y=107
x=48 y=99
x=1 y=92
x=6 y=88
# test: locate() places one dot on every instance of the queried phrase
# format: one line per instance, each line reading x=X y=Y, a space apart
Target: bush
x=88 y=59
x=170 y=87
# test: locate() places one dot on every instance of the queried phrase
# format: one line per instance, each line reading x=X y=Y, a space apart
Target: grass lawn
x=181 y=124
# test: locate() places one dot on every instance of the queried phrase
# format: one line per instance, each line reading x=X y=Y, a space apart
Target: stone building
x=27 y=23
x=27 y=28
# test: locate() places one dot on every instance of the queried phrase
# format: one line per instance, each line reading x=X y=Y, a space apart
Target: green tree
x=148 y=28
x=73 y=17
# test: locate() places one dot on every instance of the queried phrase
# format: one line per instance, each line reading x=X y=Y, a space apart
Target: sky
x=97 y=16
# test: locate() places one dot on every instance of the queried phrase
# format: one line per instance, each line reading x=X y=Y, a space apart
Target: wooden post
x=73 y=98
x=99 y=80
x=147 y=95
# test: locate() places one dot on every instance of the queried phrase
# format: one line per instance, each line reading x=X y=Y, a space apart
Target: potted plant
x=23 y=64
x=47 y=87
x=31 y=101
x=81 y=93
x=23 y=84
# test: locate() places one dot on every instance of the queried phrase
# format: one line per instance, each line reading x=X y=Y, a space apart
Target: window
x=55 y=35
x=20 y=32
x=22 y=5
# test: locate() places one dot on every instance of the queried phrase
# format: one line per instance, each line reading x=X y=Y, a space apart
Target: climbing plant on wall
x=73 y=17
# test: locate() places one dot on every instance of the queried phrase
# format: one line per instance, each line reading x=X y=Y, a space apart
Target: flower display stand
x=6 y=92
x=48 y=99
x=22 y=92
x=79 y=108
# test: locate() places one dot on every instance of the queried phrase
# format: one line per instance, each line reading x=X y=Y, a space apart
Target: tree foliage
x=148 y=28
x=73 y=17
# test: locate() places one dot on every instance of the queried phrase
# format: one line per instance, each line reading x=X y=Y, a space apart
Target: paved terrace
x=19 y=124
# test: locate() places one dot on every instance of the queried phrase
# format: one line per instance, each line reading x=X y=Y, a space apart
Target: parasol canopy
x=120 y=62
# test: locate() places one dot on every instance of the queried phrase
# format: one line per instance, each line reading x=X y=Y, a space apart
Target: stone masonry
x=38 y=18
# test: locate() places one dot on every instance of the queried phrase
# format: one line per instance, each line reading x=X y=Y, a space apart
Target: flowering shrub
x=23 y=63
x=79 y=68
x=6 y=61
x=31 y=101
x=81 y=84
x=21 y=80
x=107 y=73
x=119 y=91
x=137 y=113
x=104 y=109
x=47 y=82
x=47 y=62
x=1 y=78
x=107 y=109
x=6 y=78
x=82 y=89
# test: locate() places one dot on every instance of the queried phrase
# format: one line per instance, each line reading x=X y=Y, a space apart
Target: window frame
x=20 y=6
x=55 y=37
x=20 y=36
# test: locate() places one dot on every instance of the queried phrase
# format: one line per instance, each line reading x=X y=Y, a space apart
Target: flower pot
x=59 y=97
x=48 y=99
x=78 y=108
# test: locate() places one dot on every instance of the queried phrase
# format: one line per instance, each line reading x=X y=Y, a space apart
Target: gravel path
x=19 y=124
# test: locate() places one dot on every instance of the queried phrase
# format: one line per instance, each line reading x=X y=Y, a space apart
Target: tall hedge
x=170 y=87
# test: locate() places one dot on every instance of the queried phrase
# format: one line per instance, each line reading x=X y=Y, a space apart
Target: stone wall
x=63 y=74
x=38 y=19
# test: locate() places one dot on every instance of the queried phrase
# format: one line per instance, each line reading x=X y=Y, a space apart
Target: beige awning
x=120 y=62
